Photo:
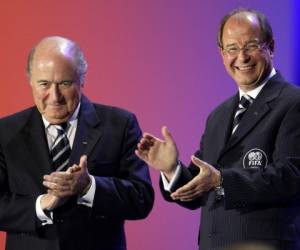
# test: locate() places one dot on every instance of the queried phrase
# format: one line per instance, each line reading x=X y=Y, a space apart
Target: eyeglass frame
x=246 y=48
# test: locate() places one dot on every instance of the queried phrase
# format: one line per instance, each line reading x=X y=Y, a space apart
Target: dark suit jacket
x=108 y=136
x=261 y=198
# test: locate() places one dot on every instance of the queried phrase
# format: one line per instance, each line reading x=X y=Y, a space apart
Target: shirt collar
x=72 y=119
x=254 y=92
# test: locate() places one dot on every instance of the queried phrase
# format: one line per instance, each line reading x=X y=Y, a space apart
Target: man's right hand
x=159 y=154
x=50 y=202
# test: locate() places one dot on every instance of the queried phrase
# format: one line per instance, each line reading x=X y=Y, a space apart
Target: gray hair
x=82 y=64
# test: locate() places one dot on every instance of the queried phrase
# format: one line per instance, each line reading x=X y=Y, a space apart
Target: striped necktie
x=244 y=104
x=61 y=150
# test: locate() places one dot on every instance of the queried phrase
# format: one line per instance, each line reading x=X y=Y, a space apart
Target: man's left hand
x=75 y=181
x=208 y=178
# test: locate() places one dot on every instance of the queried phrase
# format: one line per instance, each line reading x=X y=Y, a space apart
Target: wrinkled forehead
x=55 y=61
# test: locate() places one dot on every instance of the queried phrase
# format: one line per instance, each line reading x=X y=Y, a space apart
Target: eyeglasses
x=248 y=48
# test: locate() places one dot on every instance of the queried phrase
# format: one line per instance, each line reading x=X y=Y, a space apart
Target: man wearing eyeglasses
x=246 y=174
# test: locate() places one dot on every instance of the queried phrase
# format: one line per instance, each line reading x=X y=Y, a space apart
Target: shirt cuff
x=220 y=192
x=88 y=198
x=168 y=185
x=45 y=219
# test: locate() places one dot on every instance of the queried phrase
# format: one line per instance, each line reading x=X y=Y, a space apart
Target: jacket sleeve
x=17 y=210
x=129 y=195
x=186 y=175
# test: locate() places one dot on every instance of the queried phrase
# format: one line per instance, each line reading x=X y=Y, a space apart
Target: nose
x=243 y=55
x=54 y=93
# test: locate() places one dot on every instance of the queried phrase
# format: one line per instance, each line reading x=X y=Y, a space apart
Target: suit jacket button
x=58 y=221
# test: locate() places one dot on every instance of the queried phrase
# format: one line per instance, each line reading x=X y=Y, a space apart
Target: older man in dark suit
x=68 y=173
x=246 y=173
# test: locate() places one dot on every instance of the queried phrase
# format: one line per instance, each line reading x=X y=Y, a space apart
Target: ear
x=272 y=48
x=81 y=82
x=221 y=51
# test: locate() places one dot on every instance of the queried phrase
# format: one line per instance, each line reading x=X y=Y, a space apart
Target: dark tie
x=60 y=151
x=244 y=104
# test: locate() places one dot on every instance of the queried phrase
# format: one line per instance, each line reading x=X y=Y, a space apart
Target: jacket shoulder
x=115 y=117
x=13 y=124
x=290 y=91
x=17 y=119
x=112 y=111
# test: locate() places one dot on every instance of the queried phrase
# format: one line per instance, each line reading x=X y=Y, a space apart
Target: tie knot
x=61 y=128
x=245 y=101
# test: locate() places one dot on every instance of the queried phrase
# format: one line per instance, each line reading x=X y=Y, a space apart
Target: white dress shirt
x=51 y=134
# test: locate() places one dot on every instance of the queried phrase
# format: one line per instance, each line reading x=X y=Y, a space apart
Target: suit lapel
x=226 y=117
x=252 y=116
x=32 y=141
x=36 y=150
x=87 y=133
x=256 y=111
x=37 y=142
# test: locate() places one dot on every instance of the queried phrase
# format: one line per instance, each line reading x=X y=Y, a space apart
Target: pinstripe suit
x=261 y=201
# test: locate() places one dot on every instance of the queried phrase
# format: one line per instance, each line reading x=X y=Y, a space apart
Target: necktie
x=61 y=150
x=244 y=103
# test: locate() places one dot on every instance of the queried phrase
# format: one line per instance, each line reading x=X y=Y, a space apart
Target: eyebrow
x=66 y=81
x=69 y=81
x=42 y=81
x=250 y=41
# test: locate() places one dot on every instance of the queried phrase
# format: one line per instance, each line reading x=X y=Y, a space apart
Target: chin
x=55 y=119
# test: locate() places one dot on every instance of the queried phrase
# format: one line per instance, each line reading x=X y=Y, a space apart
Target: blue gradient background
x=157 y=58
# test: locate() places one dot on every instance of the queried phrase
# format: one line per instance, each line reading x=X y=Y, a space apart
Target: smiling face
x=55 y=84
x=247 y=68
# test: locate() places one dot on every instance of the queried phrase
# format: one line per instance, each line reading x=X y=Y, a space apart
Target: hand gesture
x=50 y=202
x=75 y=181
x=208 y=178
x=159 y=154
